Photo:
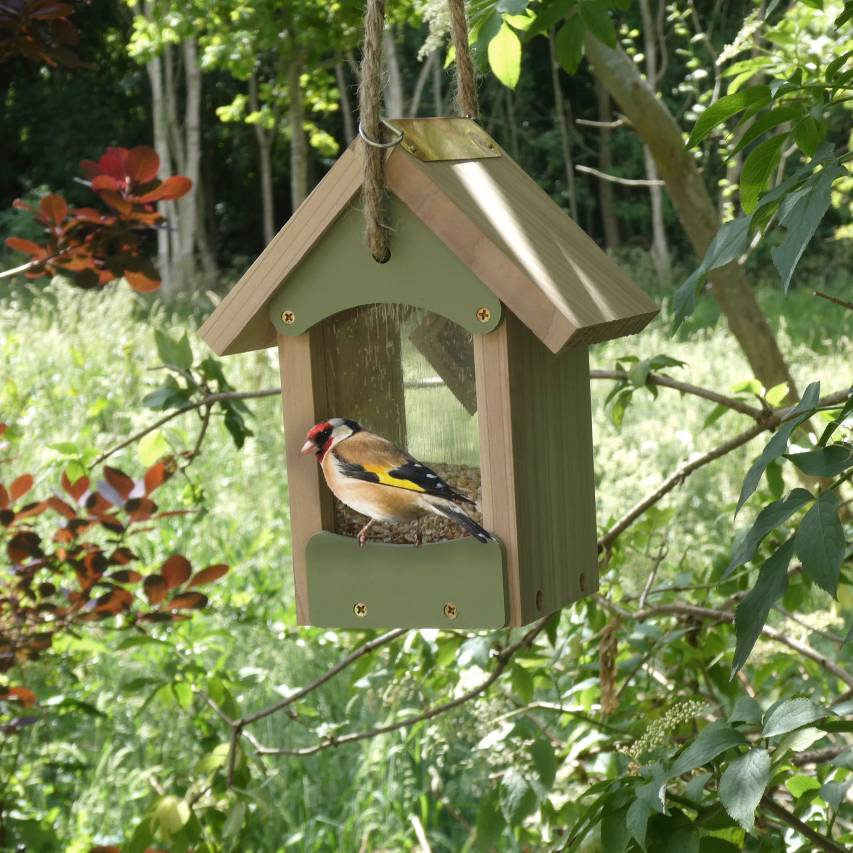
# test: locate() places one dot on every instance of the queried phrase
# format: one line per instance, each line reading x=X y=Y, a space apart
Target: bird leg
x=362 y=534
x=418 y=538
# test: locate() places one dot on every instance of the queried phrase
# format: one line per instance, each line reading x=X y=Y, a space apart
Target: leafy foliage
x=92 y=247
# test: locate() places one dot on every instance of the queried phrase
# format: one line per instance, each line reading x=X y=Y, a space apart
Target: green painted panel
x=339 y=273
x=402 y=586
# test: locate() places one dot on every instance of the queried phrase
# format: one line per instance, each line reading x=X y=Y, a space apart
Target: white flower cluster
x=656 y=735
x=436 y=13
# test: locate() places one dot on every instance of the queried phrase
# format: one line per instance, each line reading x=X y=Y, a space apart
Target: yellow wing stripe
x=386 y=479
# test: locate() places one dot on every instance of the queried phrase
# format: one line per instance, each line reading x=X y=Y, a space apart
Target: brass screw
x=360 y=609
x=288 y=318
x=484 y=315
x=451 y=611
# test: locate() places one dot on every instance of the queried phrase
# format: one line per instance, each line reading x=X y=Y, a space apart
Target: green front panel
x=340 y=273
x=401 y=586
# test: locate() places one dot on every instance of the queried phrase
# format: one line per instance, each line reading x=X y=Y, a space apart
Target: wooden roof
x=492 y=216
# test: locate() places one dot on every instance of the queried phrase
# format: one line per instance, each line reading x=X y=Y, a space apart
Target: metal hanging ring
x=374 y=143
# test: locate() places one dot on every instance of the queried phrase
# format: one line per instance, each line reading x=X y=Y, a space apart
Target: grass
x=73 y=369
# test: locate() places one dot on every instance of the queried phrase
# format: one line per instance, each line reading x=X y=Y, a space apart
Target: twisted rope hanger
x=370 y=121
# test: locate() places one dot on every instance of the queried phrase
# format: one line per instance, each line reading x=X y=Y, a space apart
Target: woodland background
x=701 y=702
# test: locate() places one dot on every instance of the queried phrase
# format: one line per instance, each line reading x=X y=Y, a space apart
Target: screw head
x=484 y=315
x=451 y=611
x=360 y=609
x=288 y=318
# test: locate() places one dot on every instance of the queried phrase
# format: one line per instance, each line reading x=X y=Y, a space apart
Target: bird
x=376 y=478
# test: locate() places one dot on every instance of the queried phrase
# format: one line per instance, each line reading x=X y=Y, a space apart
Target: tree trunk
x=420 y=84
x=660 y=246
x=187 y=205
x=298 y=143
x=696 y=211
x=154 y=67
x=346 y=104
x=264 y=139
x=562 y=124
x=393 y=92
x=437 y=95
x=606 y=198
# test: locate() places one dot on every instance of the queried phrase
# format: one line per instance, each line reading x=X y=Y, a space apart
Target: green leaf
x=724 y=108
x=166 y=398
x=729 y=243
x=779 y=442
x=615 y=834
x=490 y=820
x=522 y=683
x=820 y=543
x=797 y=741
x=767 y=121
x=569 y=43
x=511 y=7
x=544 y=760
x=823 y=462
x=474 y=652
x=800 y=784
x=768 y=519
x=504 y=53
x=775 y=396
x=171 y=815
x=742 y=786
x=808 y=134
x=800 y=214
x=746 y=710
x=758 y=169
x=752 y=612
x=711 y=742
x=153 y=447
x=792 y=714
x=637 y=821
x=597 y=19
x=835 y=793
x=518 y=799
x=177 y=354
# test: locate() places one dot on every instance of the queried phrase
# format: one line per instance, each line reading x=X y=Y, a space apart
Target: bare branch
x=835 y=299
x=710 y=614
x=605 y=125
x=686 y=388
x=207 y=401
x=820 y=841
x=503 y=658
x=328 y=675
x=615 y=179
x=16 y=270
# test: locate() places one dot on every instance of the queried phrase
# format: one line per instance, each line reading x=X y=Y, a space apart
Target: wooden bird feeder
x=469 y=348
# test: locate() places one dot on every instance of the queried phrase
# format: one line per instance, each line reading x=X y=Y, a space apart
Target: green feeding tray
x=455 y=584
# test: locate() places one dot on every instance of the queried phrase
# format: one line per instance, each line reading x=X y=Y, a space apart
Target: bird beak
x=308 y=447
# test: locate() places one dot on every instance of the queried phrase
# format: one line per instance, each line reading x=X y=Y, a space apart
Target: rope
x=466 y=89
x=370 y=126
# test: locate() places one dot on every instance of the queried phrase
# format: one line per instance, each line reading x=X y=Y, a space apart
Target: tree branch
x=804 y=829
x=504 y=658
x=615 y=179
x=686 y=388
x=208 y=400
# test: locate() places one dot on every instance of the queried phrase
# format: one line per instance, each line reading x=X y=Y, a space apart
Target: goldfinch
x=377 y=479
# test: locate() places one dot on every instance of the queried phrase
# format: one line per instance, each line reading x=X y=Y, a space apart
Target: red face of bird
x=325 y=435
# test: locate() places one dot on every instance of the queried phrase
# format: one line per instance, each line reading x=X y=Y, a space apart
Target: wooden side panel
x=553 y=472
x=303 y=381
x=497 y=473
x=240 y=322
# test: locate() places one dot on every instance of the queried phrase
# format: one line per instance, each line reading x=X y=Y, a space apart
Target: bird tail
x=454 y=513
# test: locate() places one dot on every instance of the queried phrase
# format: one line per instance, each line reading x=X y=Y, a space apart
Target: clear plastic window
x=407 y=375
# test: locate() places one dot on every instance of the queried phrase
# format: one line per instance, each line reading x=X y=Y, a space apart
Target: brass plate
x=432 y=139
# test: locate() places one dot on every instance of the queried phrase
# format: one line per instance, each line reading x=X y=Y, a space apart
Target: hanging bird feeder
x=468 y=347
